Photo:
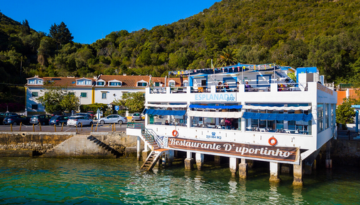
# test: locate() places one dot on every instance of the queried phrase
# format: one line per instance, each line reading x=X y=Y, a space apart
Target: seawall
x=67 y=144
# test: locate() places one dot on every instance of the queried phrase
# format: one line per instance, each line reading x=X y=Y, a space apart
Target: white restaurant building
x=260 y=114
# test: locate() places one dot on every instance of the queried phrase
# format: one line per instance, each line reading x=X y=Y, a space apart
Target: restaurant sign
x=215 y=97
x=284 y=154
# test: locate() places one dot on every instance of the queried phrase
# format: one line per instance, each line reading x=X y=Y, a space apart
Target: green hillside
x=294 y=32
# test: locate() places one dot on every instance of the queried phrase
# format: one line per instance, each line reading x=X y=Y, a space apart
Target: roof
x=127 y=81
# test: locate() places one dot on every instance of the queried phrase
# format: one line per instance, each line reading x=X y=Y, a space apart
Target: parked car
x=91 y=113
x=58 y=120
x=83 y=114
x=136 y=116
x=113 y=119
x=16 y=120
x=42 y=119
x=79 y=120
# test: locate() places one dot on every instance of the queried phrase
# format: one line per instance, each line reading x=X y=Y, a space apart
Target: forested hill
x=293 y=32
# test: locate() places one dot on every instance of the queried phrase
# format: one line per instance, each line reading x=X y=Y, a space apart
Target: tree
x=344 y=113
x=227 y=57
x=25 y=27
x=58 y=99
x=61 y=34
x=52 y=98
x=133 y=101
x=69 y=102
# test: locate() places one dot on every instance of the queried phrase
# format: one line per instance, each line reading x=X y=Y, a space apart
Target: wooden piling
x=55 y=127
x=92 y=127
x=11 y=127
x=96 y=126
x=33 y=127
x=62 y=127
x=20 y=126
x=114 y=127
x=40 y=126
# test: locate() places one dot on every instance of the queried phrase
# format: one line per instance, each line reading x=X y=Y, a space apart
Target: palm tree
x=227 y=57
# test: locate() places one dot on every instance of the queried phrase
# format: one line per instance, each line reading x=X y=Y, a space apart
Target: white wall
x=118 y=91
x=32 y=100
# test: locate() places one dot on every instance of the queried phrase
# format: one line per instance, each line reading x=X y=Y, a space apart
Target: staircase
x=104 y=146
x=153 y=157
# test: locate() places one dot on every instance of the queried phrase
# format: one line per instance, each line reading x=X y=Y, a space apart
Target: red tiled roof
x=127 y=81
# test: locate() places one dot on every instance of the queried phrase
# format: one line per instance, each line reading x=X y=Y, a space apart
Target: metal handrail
x=149 y=135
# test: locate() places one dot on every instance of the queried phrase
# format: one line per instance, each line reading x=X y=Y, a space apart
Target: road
x=50 y=128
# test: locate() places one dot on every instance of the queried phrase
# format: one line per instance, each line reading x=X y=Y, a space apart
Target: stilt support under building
x=274 y=172
x=233 y=166
x=298 y=174
x=243 y=169
x=189 y=161
x=199 y=160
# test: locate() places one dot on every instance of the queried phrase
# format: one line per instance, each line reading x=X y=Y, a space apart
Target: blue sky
x=91 y=20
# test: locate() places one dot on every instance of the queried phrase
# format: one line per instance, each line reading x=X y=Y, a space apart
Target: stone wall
x=29 y=143
x=345 y=152
x=20 y=144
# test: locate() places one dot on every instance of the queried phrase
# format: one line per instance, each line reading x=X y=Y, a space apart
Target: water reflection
x=44 y=181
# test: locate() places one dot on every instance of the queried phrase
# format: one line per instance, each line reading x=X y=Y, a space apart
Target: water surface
x=119 y=181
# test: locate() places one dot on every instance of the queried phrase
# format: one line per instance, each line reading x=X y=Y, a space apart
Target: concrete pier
x=328 y=159
x=243 y=169
x=233 y=166
x=285 y=168
x=217 y=160
x=189 y=161
x=274 y=172
x=298 y=175
x=138 y=145
x=199 y=160
x=170 y=157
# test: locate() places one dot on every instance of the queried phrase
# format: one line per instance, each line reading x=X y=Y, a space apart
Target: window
x=186 y=83
x=157 y=84
x=83 y=95
x=32 y=81
x=103 y=95
x=88 y=82
x=326 y=110
x=35 y=94
x=71 y=93
x=203 y=83
x=100 y=83
x=142 y=84
x=40 y=81
x=34 y=106
x=171 y=83
x=320 y=114
x=73 y=82
x=230 y=81
x=115 y=83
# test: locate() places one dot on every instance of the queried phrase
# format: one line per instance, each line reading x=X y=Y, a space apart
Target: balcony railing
x=273 y=87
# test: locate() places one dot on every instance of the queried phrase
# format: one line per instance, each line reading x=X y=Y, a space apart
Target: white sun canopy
x=165 y=106
x=251 y=107
x=215 y=114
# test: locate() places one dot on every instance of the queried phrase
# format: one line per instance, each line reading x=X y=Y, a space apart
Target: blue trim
x=164 y=112
x=230 y=78
x=216 y=107
x=257 y=81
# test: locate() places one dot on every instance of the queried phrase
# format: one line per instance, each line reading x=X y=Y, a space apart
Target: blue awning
x=264 y=116
x=247 y=115
x=307 y=117
x=164 y=112
x=298 y=117
x=272 y=117
x=216 y=107
x=280 y=117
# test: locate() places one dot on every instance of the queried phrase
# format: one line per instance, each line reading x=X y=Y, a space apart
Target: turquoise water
x=119 y=181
